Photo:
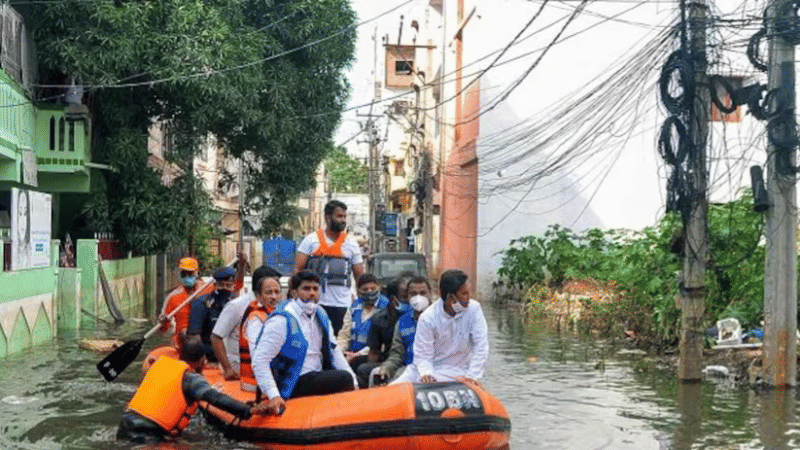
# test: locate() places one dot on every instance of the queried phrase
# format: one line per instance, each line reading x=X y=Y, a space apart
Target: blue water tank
x=279 y=254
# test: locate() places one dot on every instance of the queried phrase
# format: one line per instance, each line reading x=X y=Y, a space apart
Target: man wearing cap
x=190 y=282
x=206 y=310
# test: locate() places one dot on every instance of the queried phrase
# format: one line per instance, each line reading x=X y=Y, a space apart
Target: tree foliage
x=645 y=268
x=345 y=173
x=266 y=78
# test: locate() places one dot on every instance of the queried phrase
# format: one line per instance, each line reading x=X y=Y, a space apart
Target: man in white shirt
x=336 y=258
x=452 y=337
x=295 y=353
x=225 y=335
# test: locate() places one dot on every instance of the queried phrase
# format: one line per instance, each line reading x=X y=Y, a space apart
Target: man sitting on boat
x=206 y=310
x=401 y=353
x=268 y=293
x=296 y=353
x=357 y=321
x=451 y=339
x=381 y=329
x=225 y=337
x=167 y=398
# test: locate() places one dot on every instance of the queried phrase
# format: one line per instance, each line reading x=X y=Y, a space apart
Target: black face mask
x=223 y=295
x=371 y=297
x=338 y=227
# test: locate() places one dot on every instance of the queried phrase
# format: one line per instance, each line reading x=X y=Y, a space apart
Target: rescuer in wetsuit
x=167 y=398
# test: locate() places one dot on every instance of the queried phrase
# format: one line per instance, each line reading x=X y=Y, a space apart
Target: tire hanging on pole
x=673 y=153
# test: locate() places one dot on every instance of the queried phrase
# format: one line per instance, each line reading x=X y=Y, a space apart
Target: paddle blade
x=113 y=365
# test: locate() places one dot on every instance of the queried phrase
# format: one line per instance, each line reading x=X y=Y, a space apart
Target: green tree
x=265 y=78
x=345 y=173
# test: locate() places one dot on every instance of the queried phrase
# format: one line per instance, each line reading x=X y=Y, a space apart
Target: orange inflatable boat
x=426 y=416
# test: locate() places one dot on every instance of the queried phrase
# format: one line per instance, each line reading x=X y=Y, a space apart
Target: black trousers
x=322 y=383
x=336 y=314
x=362 y=373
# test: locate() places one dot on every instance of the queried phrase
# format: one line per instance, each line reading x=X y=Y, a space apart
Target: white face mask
x=419 y=302
x=307 y=308
x=458 y=308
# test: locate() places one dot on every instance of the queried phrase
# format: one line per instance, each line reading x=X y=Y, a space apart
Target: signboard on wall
x=30 y=229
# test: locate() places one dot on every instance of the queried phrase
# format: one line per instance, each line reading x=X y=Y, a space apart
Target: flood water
x=561 y=391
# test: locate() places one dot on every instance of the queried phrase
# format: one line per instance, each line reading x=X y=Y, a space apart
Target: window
x=400 y=65
x=403 y=67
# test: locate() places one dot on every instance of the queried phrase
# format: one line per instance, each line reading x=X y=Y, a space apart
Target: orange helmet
x=188 y=264
x=153 y=356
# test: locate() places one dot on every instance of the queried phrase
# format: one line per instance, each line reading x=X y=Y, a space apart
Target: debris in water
x=14 y=400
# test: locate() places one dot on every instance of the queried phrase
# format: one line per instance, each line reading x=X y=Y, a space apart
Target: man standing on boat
x=336 y=258
x=294 y=353
x=451 y=339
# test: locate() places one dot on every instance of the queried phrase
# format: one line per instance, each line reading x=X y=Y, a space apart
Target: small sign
x=390 y=224
x=434 y=398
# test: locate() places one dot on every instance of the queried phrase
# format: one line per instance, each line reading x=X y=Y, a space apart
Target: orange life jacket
x=160 y=397
x=248 y=378
x=329 y=262
x=329 y=250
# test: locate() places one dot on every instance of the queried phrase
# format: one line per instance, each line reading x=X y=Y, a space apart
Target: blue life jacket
x=360 y=330
x=288 y=363
x=407 y=326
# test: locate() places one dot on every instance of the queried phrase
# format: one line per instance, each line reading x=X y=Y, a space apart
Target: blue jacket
x=287 y=365
x=360 y=329
x=407 y=326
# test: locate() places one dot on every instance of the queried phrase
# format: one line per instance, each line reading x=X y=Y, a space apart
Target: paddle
x=112 y=365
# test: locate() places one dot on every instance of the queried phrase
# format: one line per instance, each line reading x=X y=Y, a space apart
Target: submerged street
x=561 y=392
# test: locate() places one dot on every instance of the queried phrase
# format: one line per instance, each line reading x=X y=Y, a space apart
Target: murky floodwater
x=561 y=391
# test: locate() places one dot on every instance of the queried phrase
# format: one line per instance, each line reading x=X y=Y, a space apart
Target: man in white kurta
x=452 y=337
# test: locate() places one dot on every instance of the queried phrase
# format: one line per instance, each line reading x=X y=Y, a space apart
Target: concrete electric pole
x=780 y=269
x=696 y=239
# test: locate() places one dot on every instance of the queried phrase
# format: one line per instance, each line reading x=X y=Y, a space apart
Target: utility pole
x=780 y=269
x=696 y=240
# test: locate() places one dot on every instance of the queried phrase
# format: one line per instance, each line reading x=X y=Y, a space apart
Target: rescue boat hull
x=429 y=416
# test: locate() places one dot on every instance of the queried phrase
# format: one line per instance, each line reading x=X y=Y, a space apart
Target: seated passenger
x=294 y=353
x=401 y=353
x=451 y=339
x=167 y=398
x=206 y=310
x=381 y=329
x=268 y=293
x=355 y=330
x=225 y=337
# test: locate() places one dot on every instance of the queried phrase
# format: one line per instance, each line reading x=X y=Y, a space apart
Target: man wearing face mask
x=353 y=336
x=451 y=338
x=295 y=352
x=189 y=284
x=401 y=352
x=381 y=330
x=206 y=310
x=335 y=257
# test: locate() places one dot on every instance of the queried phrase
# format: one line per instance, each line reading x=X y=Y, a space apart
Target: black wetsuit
x=136 y=428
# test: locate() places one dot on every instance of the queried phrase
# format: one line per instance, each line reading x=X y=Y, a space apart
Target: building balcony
x=62 y=149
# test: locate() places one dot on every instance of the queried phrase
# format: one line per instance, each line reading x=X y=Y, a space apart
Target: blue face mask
x=188 y=281
x=403 y=308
